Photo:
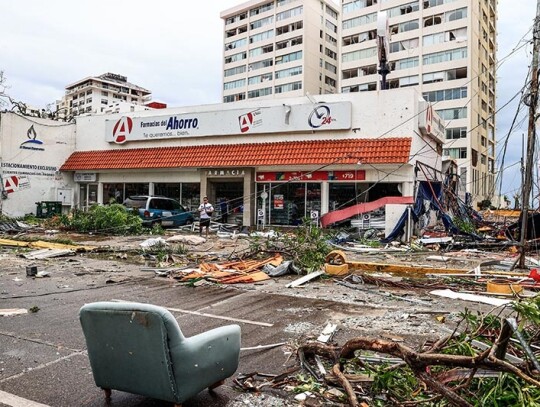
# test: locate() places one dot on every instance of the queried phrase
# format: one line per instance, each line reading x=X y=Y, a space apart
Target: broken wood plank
x=305 y=279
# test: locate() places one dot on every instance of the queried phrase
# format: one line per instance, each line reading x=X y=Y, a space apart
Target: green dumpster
x=46 y=209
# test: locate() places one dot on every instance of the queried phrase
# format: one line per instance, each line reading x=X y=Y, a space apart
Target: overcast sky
x=174 y=49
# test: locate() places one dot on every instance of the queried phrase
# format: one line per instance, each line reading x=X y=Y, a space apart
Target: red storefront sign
x=358 y=175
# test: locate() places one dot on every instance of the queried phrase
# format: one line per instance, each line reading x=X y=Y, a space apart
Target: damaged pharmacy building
x=336 y=159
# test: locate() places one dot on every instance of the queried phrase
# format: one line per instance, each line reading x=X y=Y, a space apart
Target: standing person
x=205 y=213
x=224 y=208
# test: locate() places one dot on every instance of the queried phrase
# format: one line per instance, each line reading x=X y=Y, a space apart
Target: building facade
x=280 y=48
x=99 y=94
x=447 y=50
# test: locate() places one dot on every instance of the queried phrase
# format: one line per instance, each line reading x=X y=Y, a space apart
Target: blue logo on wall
x=33 y=142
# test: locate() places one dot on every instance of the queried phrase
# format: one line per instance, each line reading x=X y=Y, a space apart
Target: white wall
x=29 y=169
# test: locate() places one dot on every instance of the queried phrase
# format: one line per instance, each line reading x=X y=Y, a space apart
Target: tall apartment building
x=280 y=48
x=97 y=94
x=445 y=48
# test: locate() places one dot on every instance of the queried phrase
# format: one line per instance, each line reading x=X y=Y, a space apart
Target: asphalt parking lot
x=43 y=358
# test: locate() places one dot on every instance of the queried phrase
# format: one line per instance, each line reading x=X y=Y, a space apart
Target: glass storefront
x=187 y=193
x=289 y=203
x=345 y=194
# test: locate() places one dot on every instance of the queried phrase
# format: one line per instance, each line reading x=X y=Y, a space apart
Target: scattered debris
x=8 y=312
x=305 y=279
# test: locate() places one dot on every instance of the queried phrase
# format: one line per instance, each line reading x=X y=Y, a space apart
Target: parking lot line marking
x=16 y=401
x=203 y=314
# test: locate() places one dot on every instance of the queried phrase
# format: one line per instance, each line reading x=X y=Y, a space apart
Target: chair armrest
x=205 y=359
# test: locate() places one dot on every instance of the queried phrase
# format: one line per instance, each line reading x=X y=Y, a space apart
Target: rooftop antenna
x=383 y=47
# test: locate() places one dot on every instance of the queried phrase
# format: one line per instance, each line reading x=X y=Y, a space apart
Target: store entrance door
x=228 y=201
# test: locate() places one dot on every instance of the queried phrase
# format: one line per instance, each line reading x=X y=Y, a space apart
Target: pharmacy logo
x=320 y=116
x=249 y=120
x=122 y=129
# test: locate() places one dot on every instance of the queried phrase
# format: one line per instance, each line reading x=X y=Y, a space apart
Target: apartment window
x=357 y=5
x=261 y=9
x=456 y=133
x=103 y=93
x=288 y=87
x=281 y=3
x=332 y=13
x=234 y=71
x=236 y=18
x=298 y=25
x=236 y=57
x=360 y=54
x=445 y=56
x=329 y=53
x=446 y=94
x=350 y=73
x=402 y=10
x=433 y=20
x=259 y=93
x=453 y=114
x=331 y=39
x=234 y=98
x=265 y=77
x=331 y=26
x=330 y=81
x=104 y=102
x=404 y=27
x=289 y=13
x=329 y=67
x=261 y=64
x=288 y=57
x=460 y=152
x=361 y=20
x=89 y=100
x=366 y=87
x=434 y=3
x=404 y=45
x=408 y=81
x=439 y=38
x=289 y=43
x=236 y=44
x=455 y=14
x=234 y=84
x=405 y=63
x=262 y=22
x=285 y=73
x=261 y=50
x=261 y=36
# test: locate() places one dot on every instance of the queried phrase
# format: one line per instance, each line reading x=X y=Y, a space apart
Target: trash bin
x=46 y=209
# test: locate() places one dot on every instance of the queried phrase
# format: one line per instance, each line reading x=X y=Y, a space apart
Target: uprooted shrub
x=111 y=219
x=307 y=245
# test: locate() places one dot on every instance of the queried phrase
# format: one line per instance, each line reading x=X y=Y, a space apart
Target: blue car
x=159 y=210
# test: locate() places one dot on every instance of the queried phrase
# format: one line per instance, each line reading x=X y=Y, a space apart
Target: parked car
x=159 y=210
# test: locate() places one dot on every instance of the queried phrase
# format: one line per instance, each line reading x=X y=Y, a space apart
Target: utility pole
x=531 y=139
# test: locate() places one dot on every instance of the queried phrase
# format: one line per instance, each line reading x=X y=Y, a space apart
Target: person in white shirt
x=205 y=213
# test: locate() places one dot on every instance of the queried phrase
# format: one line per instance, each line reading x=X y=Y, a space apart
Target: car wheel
x=189 y=221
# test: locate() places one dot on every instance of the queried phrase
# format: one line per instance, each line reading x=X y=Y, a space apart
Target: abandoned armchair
x=139 y=348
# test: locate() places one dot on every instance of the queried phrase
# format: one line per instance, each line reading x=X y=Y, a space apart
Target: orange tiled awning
x=318 y=152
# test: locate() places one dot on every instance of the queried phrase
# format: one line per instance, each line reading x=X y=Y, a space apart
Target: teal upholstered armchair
x=139 y=348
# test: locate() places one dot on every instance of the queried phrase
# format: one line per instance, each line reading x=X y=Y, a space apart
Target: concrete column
x=100 y=193
x=325 y=197
x=250 y=199
x=204 y=184
x=150 y=188
x=407 y=188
